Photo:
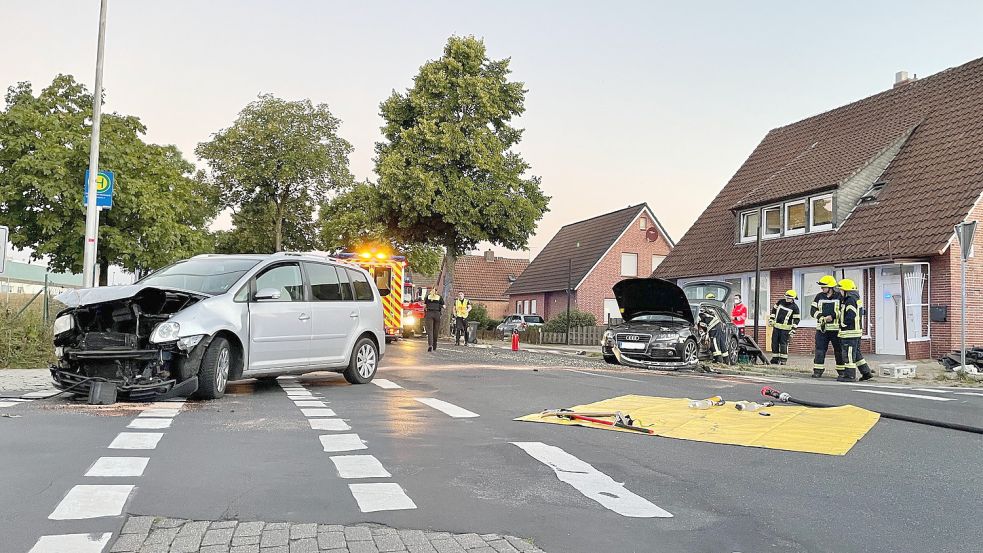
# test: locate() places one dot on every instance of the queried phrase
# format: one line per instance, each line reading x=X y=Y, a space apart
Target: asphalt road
x=253 y=455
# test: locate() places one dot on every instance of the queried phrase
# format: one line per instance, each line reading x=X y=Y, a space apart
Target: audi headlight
x=165 y=332
x=607 y=336
x=63 y=324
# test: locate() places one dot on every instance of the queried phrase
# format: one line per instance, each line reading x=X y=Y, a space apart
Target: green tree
x=277 y=162
x=448 y=176
x=352 y=220
x=161 y=208
x=250 y=234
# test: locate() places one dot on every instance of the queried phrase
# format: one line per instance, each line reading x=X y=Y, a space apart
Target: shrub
x=558 y=323
x=25 y=341
x=479 y=313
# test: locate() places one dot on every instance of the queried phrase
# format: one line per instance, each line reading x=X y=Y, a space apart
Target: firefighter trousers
x=779 y=346
x=432 y=323
x=718 y=344
x=823 y=341
x=853 y=358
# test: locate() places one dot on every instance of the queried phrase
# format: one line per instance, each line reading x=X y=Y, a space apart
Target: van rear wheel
x=364 y=362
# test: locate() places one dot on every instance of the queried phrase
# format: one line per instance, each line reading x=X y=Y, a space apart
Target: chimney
x=901 y=78
x=490 y=256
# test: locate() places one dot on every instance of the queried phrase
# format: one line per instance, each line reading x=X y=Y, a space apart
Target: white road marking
x=341 y=442
x=136 y=440
x=591 y=482
x=40 y=394
x=8 y=403
x=168 y=404
x=899 y=394
x=329 y=424
x=150 y=424
x=931 y=390
x=318 y=412
x=76 y=543
x=447 y=408
x=92 y=502
x=158 y=413
x=602 y=375
x=387 y=384
x=969 y=394
x=309 y=403
x=359 y=466
x=381 y=497
x=118 y=466
x=300 y=395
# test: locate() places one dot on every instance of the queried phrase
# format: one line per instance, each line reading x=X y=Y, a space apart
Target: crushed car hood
x=91 y=296
x=636 y=296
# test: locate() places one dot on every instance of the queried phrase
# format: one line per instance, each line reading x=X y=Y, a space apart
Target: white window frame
x=629 y=255
x=740 y=229
x=642 y=223
x=518 y=306
x=764 y=225
x=525 y=307
x=819 y=228
x=785 y=220
x=805 y=298
x=746 y=292
x=533 y=312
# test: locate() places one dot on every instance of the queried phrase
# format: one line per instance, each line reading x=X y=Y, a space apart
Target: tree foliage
x=352 y=220
x=277 y=162
x=161 y=208
x=448 y=175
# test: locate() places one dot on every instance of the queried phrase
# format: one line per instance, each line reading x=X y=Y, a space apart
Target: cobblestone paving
x=24 y=380
x=147 y=534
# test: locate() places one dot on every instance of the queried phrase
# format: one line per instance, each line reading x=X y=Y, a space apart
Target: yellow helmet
x=848 y=285
x=791 y=294
x=710 y=296
x=827 y=282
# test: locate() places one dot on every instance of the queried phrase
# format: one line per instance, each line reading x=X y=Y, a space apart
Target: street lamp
x=91 y=211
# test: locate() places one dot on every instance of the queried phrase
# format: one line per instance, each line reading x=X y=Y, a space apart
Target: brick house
x=869 y=191
x=484 y=279
x=591 y=255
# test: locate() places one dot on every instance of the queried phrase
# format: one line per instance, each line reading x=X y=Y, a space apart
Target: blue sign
x=104 y=189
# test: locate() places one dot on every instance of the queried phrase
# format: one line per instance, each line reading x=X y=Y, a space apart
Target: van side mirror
x=267 y=294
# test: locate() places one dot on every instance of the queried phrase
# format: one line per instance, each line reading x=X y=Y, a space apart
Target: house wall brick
x=496 y=309
x=947 y=291
x=598 y=284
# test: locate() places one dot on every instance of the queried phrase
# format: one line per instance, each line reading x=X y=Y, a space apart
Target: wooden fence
x=582 y=336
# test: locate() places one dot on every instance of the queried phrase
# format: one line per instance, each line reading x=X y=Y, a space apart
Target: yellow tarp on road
x=829 y=431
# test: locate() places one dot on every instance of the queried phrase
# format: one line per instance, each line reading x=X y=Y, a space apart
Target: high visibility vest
x=851 y=325
x=461 y=308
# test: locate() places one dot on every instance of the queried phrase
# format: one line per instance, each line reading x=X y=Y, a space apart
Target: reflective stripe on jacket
x=825 y=306
x=852 y=321
x=784 y=315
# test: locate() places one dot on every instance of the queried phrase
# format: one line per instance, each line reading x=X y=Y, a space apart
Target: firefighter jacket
x=784 y=315
x=709 y=319
x=826 y=306
x=851 y=316
x=434 y=303
x=462 y=308
x=739 y=315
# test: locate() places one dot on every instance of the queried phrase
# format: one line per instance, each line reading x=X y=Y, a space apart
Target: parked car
x=194 y=325
x=660 y=328
x=519 y=322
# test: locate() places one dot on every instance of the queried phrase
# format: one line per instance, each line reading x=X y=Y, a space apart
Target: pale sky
x=628 y=101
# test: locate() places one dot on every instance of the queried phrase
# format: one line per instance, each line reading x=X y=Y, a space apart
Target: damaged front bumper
x=639 y=363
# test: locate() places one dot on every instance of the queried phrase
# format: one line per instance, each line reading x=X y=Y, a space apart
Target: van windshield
x=209 y=276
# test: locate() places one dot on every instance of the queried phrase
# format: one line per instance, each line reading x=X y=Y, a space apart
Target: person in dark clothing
x=710 y=321
x=826 y=312
x=850 y=332
x=434 y=308
x=784 y=319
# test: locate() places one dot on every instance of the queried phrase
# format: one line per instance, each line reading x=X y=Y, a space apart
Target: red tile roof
x=932 y=184
x=481 y=279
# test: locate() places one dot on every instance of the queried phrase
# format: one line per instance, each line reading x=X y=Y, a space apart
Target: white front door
x=889 y=334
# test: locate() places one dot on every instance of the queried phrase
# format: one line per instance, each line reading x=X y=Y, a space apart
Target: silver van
x=190 y=327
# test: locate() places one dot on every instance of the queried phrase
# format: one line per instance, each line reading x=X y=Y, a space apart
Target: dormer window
x=821 y=211
x=791 y=218
x=773 y=222
x=749 y=226
x=795 y=218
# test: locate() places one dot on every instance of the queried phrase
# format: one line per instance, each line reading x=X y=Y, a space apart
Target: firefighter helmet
x=827 y=282
x=711 y=296
x=848 y=285
x=791 y=294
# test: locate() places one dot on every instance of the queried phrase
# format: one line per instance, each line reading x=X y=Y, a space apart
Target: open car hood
x=651 y=295
x=91 y=296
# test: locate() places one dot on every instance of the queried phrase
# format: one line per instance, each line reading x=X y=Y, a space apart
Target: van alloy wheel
x=222 y=369
x=366 y=361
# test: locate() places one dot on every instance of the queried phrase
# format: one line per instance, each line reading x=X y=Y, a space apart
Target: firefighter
x=434 y=307
x=826 y=312
x=784 y=319
x=739 y=314
x=462 y=308
x=710 y=321
x=851 y=315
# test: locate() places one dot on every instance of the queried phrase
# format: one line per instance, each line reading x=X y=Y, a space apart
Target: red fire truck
x=387 y=270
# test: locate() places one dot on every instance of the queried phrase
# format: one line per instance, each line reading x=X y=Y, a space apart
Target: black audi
x=660 y=329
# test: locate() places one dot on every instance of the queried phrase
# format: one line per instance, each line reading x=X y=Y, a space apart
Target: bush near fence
x=25 y=330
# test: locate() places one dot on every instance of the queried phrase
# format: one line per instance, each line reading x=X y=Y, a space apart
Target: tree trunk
x=449 y=261
x=103 y=271
x=278 y=228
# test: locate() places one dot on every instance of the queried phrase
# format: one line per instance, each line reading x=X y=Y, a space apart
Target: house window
x=518 y=307
x=795 y=218
x=629 y=264
x=806 y=284
x=611 y=310
x=525 y=307
x=533 y=307
x=821 y=213
x=773 y=222
x=657 y=260
x=749 y=226
x=642 y=223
